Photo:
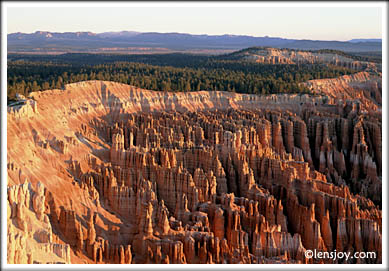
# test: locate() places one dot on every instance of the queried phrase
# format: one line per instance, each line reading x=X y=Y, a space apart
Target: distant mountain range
x=43 y=41
x=366 y=40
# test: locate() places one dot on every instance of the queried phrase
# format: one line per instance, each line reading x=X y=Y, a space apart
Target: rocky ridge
x=124 y=175
x=287 y=56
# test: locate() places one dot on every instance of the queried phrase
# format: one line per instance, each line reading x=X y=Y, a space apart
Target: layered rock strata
x=288 y=56
x=134 y=176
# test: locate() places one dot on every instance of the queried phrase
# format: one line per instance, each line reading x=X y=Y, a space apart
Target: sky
x=316 y=23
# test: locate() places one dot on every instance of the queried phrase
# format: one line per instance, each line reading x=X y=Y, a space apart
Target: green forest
x=165 y=72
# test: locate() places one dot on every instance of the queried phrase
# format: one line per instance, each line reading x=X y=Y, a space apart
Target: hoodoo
x=103 y=172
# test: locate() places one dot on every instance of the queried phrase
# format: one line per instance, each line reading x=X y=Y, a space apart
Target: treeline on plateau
x=375 y=57
x=162 y=73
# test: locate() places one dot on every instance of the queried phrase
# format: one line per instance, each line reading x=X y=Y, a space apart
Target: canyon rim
x=140 y=147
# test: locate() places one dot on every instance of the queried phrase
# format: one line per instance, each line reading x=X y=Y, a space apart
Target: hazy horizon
x=311 y=23
x=173 y=32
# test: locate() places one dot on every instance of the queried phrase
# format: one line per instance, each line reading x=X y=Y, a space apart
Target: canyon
x=103 y=172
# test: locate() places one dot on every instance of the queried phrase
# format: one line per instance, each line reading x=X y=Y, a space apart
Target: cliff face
x=124 y=175
x=30 y=235
x=363 y=87
x=287 y=56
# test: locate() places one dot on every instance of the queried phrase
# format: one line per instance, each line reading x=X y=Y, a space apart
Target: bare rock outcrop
x=135 y=176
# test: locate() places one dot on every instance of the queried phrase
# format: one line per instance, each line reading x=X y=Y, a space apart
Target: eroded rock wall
x=135 y=176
